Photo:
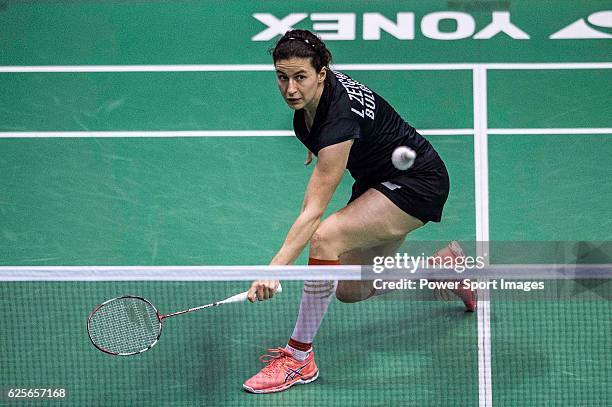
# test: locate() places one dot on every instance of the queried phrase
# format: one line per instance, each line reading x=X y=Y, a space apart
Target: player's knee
x=318 y=242
x=324 y=242
x=353 y=291
x=347 y=297
x=396 y=232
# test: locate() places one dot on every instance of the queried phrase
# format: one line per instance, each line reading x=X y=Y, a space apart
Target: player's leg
x=354 y=291
x=369 y=221
x=453 y=255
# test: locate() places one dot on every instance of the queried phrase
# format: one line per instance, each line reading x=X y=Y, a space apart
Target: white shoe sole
x=301 y=381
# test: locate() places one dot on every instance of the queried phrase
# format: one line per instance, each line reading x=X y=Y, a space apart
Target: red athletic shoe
x=282 y=371
x=469 y=297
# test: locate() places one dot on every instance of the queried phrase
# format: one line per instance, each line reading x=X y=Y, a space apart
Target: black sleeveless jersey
x=349 y=110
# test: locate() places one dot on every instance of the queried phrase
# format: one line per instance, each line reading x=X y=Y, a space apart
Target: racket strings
x=125 y=325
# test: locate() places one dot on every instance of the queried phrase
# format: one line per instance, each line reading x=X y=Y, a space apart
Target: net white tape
x=241 y=273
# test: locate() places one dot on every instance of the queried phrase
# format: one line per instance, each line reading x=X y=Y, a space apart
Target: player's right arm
x=308 y=158
x=326 y=176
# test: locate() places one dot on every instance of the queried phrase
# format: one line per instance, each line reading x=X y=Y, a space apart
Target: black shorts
x=420 y=194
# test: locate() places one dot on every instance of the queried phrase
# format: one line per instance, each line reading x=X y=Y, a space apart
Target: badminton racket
x=129 y=325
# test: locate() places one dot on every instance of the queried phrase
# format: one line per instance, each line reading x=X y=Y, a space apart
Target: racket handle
x=243 y=296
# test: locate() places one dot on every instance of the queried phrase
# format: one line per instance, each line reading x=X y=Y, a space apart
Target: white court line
x=471 y=66
x=548 y=65
x=404 y=67
x=270 y=67
x=481 y=198
x=196 y=133
x=137 y=68
x=485 y=387
x=281 y=133
x=446 y=132
x=137 y=134
x=559 y=131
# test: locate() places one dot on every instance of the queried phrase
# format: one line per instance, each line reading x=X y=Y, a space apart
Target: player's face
x=299 y=83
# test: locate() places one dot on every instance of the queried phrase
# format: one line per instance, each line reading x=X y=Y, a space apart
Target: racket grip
x=243 y=296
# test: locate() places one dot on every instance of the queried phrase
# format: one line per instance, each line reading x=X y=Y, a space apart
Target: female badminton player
x=347 y=126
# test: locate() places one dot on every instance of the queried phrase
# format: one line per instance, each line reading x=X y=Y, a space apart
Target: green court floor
x=375 y=353
x=230 y=200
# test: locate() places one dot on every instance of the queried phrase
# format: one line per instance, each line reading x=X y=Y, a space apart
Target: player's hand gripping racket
x=130 y=325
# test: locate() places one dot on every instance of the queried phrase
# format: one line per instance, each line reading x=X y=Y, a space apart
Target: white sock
x=315 y=299
x=298 y=354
